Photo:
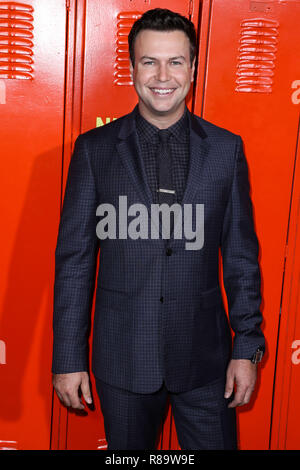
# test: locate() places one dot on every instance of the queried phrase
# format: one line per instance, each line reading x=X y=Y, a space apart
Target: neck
x=163 y=120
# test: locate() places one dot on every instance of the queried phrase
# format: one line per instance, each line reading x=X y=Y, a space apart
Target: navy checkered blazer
x=159 y=312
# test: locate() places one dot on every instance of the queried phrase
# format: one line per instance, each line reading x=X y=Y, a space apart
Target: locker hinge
x=286 y=251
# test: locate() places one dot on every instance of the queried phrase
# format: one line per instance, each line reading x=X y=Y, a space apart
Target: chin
x=163 y=108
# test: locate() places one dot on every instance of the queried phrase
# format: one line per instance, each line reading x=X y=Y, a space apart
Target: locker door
x=32 y=62
x=247 y=83
x=97 y=42
x=286 y=408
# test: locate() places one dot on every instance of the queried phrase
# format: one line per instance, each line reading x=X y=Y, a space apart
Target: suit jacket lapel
x=129 y=151
x=199 y=149
x=198 y=153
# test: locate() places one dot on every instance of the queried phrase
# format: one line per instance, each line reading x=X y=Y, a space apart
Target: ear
x=193 y=69
x=131 y=70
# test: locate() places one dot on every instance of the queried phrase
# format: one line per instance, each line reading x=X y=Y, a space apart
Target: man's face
x=162 y=73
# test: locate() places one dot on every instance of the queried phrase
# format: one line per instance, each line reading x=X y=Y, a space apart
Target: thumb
x=85 y=388
x=229 y=385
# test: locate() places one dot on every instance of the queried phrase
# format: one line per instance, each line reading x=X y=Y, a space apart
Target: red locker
x=246 y=75
x=286 y=409
x=32 y=64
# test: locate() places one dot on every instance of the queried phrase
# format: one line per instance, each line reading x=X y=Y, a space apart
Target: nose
x=163 y=73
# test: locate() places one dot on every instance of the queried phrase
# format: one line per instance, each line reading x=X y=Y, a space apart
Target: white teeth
x=162 y=92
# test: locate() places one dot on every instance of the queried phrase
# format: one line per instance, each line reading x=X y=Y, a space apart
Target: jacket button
x=169 y=251
x=161 y=299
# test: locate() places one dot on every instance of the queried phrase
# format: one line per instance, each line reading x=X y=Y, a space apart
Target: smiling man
x=160 y=327
x=162 y=69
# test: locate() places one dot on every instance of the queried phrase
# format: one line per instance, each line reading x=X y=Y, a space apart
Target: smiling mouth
x=162 y=91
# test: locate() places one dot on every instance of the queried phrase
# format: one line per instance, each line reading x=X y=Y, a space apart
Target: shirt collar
x=149 y=132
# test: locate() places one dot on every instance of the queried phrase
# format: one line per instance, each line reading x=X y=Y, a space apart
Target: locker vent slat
x=125 y=21
x=16 y=41
x=257 y=55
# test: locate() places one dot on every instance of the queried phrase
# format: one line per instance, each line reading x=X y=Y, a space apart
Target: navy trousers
x=202 y=418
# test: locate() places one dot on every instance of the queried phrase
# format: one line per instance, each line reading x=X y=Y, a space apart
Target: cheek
x=141 y=78
x=184 y=78
x=189 y=80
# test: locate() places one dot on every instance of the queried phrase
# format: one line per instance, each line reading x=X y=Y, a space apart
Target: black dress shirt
x=179 y=148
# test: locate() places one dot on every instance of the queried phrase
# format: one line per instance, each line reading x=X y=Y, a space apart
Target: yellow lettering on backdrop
x=99 y=121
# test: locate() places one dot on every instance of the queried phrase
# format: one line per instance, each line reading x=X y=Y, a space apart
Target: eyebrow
x=155 y=58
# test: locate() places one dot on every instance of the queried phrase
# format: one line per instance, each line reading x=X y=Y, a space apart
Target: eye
x=176 y=62
x=148 y=62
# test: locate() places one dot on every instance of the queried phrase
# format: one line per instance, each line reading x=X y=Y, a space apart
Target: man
x=160 y=328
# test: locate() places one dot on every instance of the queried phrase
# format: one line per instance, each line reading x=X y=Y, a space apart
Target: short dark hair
x=161 y=19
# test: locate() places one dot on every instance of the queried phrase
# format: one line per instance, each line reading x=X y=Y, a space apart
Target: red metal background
x=243 y=44
x=31 y=139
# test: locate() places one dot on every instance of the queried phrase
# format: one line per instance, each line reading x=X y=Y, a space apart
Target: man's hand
x=241 y=372
x=67 y=388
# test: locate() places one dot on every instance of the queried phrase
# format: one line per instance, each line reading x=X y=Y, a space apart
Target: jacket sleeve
x=75 y=266
x=241 y=272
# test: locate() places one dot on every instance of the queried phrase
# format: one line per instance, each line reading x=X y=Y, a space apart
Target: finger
x=238 y=398
x=59 y=395
x=64 y=399
x=248 y=395
x=75 y=401
x=86 y=392
x=229 y=386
